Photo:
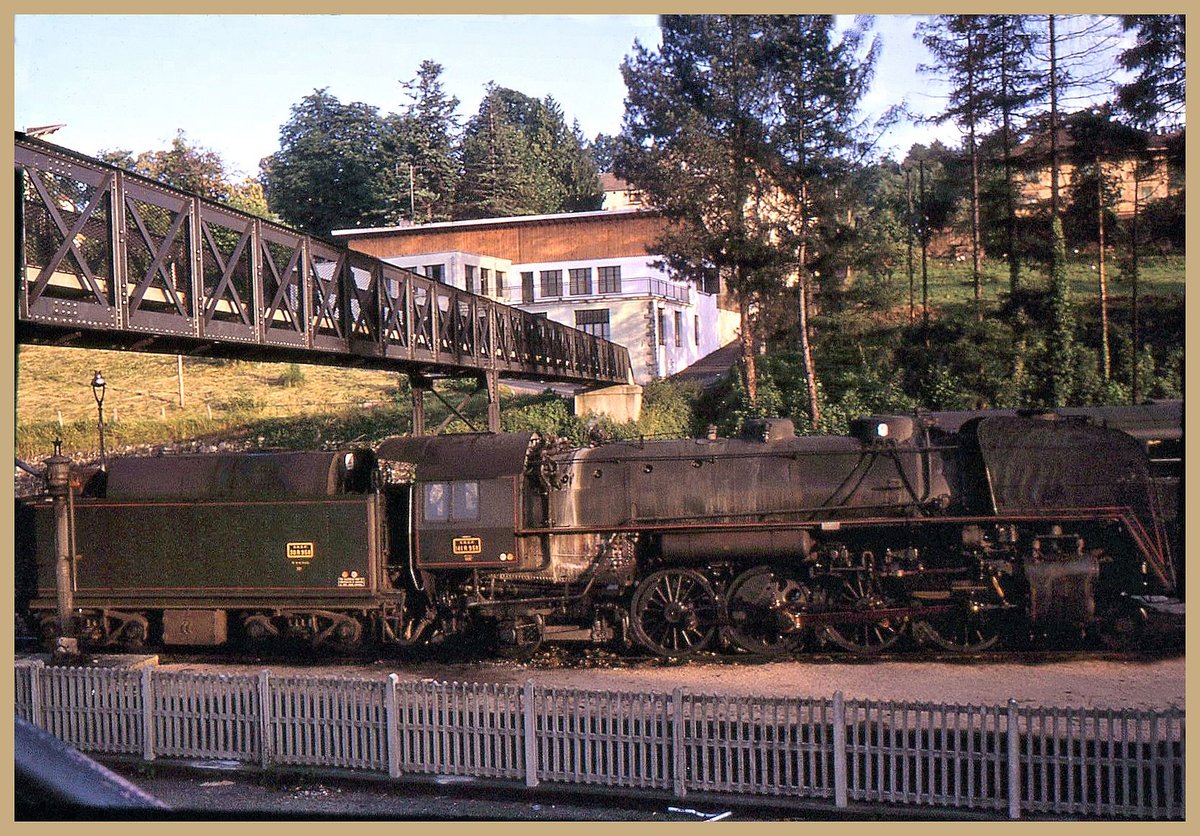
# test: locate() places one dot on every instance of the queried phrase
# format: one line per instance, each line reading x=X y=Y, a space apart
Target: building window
x=610 y=279
x=697 y=325
x=500 y=284
x=581 y=281
x=527 y=288
x=551 y=283
x=470 y=270
x=451 y=501
x=662 y=327
x=437 y=272
x=594 y=322
x=485 y=279
x=678 y=328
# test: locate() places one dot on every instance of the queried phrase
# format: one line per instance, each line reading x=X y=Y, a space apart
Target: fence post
x=1014 y=762
x=531 y=749
x=391 y=717
x=839 y=750
x=36 y=715
x=264 y=713
x=678 y=762
x=147 y=715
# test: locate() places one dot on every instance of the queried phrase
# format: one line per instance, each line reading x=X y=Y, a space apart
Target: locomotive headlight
x=882 y=430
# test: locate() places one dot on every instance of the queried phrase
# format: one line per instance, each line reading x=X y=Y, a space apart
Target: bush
x=292 y=376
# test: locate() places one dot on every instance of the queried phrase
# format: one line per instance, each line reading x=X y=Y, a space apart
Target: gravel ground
x=207 y=793
x=1032 y=680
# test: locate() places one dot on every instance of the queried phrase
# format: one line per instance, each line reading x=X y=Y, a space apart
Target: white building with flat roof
x=588 y=270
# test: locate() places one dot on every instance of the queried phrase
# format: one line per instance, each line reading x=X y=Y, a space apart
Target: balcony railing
x=631 y=288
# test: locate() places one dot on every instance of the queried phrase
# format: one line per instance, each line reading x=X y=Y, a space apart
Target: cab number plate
x=467 y=545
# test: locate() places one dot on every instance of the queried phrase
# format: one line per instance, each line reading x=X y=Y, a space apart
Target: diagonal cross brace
x=156 y=266
x=227 y=268
x=69 y=236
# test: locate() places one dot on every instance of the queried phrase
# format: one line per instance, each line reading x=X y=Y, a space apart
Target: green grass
x=141 y=404
x=951 y=283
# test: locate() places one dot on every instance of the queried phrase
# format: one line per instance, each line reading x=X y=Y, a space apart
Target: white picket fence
x=1011 y=760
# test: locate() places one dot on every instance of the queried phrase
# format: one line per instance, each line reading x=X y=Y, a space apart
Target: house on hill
x=1146 y=178
x=618 y=194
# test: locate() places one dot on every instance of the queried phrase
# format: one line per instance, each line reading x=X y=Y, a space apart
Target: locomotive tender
x=764 y=543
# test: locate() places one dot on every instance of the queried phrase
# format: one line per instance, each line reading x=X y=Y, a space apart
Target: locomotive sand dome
x=767 y=542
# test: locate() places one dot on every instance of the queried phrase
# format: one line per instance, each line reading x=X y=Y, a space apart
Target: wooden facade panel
x=569 y=239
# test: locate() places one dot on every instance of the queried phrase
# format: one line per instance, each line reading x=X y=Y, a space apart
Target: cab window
x=451 y=501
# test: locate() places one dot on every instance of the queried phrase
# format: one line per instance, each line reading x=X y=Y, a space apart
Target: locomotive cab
x=466 y=499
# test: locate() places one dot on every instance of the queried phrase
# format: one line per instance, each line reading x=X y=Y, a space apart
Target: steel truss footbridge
x=109 y=259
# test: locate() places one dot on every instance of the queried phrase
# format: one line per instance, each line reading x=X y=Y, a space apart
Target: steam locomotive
x=954 y=533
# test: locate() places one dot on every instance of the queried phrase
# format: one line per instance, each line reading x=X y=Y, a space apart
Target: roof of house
x=711 y=368
x=514 y=220
x=612 y=183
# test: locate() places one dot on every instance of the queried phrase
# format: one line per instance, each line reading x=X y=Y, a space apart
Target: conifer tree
x=700 y=113
x=820 y=76
x=1157 y=95
x=423 y=139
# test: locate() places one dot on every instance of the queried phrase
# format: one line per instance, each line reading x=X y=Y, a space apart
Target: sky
x=229 y=81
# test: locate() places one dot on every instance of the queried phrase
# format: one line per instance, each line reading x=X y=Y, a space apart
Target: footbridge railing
x=109 y=259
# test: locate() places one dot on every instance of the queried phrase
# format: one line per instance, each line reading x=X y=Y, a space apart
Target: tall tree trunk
x=804 y=311
x=810 y=372
x=912 y=293
x=924 y=256
x=1010 y=209
x=1060 y=337
x=749 y=349
x=975 y=226
x=1053 y=122
x=1133 y=277
x=1105 y=354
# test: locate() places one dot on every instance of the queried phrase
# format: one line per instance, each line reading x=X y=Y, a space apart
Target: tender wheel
x=674 y=612
x=859 y=594
x=518 y=639
x=133 y=636
x=958 y=632
x=754 y=611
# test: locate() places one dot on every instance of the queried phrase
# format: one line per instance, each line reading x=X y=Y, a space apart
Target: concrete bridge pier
x=621 y=403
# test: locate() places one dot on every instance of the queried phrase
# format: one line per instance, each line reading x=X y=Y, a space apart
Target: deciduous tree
x=326 y=174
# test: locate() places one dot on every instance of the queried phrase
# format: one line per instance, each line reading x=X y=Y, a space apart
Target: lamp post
x=98 y=386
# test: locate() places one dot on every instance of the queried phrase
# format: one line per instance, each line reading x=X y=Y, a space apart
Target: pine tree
x=500 y=178
x=1014 y=85
x=820 y=78
x=519 y=157
x=423 y=140
x=697 y=140
x=1158 y=94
